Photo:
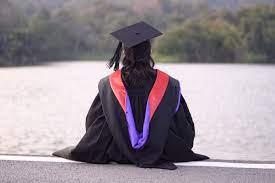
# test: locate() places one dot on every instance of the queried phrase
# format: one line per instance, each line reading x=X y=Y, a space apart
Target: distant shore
x=45 y=63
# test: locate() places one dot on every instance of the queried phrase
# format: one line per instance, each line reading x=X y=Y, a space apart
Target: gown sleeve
x=183 y=125
x=94 y=144
x=95 y=112
x=181 y=136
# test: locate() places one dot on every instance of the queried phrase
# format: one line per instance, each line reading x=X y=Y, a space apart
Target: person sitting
x=139 y=115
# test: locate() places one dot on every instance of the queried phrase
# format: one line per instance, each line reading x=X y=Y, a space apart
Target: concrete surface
x=15 y=169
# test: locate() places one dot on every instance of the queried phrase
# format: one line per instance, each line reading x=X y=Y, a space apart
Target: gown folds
x=150 y=127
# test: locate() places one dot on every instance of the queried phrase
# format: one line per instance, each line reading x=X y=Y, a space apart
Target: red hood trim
x=118 y=88
x=155 y=96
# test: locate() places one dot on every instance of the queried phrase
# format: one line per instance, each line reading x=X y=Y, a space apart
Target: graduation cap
x=131 y=36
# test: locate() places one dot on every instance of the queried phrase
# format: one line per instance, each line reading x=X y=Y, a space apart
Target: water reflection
x=43 y=108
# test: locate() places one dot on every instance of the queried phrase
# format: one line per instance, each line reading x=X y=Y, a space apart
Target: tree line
x=245 y=36
x=192 y=33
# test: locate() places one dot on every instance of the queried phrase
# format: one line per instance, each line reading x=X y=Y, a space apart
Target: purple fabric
x=178 y=104
x=137 y=140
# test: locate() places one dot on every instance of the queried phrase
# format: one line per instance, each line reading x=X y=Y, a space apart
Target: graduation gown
x=149 y=127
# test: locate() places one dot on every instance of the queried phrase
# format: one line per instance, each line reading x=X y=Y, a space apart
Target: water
x=43 y=108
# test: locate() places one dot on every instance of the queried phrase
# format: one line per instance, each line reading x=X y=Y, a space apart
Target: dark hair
x=138 y=65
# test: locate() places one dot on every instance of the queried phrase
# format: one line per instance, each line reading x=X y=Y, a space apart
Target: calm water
x=43 y=108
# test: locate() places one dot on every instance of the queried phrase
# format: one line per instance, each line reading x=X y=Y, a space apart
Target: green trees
x=246 y=36
x=193 y=32
x=202 y=41
x=257 y=25
x=12 y=37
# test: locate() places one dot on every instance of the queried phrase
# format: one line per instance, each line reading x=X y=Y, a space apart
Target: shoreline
x=50 y=63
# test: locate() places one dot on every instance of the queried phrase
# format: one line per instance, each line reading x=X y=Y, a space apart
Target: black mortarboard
x=131 y=36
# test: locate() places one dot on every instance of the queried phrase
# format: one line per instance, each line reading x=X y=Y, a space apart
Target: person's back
x=138 y=78
x=138 y=116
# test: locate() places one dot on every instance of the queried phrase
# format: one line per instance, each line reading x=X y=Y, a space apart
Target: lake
x=43 y=108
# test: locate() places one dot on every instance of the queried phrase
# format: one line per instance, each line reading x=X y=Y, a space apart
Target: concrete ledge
x=20 y=168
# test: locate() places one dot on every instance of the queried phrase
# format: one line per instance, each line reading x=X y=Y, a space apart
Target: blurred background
x=53 y=53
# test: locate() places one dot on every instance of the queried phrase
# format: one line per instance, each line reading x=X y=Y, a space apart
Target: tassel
x=116 y=58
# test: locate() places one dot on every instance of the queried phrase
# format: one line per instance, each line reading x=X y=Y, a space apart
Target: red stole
x=155 y=96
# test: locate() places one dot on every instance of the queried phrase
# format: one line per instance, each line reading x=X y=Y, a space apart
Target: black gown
x=98 y=144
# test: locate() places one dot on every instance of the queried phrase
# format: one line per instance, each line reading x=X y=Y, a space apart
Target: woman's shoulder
x=172 y=80
x=103 y=81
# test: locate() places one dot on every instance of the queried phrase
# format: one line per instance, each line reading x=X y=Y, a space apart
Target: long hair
x=138 y=65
